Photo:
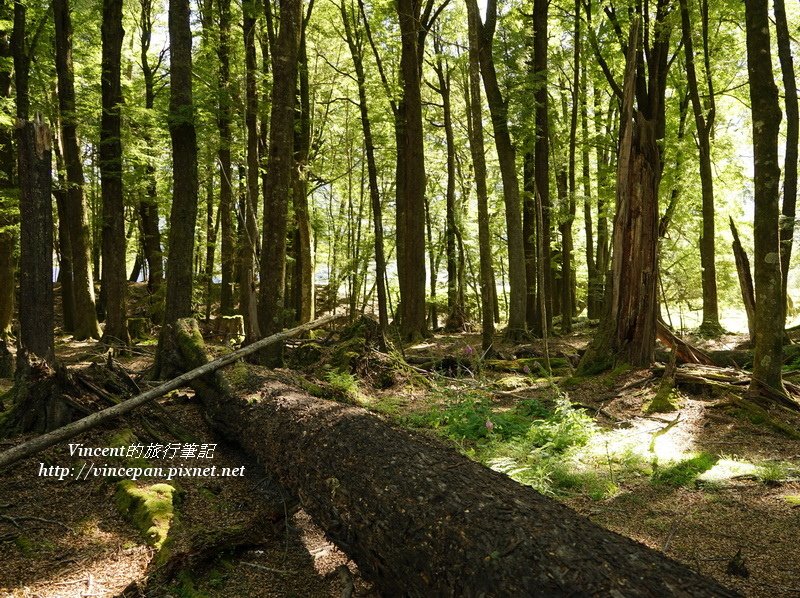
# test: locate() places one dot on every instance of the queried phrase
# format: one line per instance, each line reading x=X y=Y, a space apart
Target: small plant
x=343 y=382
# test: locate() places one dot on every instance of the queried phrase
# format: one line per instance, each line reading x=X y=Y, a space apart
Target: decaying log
x=684 y=352
x=44 y=441
x=420 y=519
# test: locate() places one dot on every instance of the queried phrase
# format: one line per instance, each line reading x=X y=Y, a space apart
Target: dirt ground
x=69 y=538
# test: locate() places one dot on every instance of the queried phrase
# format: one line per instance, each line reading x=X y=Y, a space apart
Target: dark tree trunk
x=704 y=124
x=356 y=52
x=628 y=332
x=544 y=319
x=83 y=282
x=212 y=226
x=114 y=274
x=279 y=175
x=36 y=243
x=455 y=306
x=8 y=207
x=792 y=134
x=586 y=178
x=304 y=263
x=148 y=206
x=183 y=215
x=506 y=154
x=567 y=272
x=766 y=380
x=529 y=236
x=410 y=175
x=476 y=146
x=227 y=245
x=247 y=236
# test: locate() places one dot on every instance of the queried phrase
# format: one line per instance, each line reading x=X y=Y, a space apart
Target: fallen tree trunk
x=204 y=368
x=420 y=519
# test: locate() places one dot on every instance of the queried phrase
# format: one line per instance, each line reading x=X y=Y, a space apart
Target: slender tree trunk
x=212 y=226
x=544 y=321
x=83 y=281
x=356 y=53
x=247 y=240
x=567 y=272
x=114 y=274
x=8 y=207
x=36 y=242
x=586 y=178
x=183 y=215
x=506 y=154
x=279 y=175
x=148 y=206
x=792 y=134
x=704 y=123
x=304 y=262
x=476 y=146
x=768 y=350
x=227 y=248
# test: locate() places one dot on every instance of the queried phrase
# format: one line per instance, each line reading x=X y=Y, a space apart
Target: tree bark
x=704 y=124
x=248 y=233
x=8 y=204
x=114 y=274
x=183 y=214
x=628 y=332
x=787 y=225
x=766 y=380
x=410 y=185
x=473 y=531
x=227 y=241
x=83 y=281
x=148 y=206
x=271 y=299
x=477 y=151
x=36 y=243
x=304 y=261
x=543 y=320
x=356 y=53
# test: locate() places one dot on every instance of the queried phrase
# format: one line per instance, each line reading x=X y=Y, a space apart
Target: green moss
x=190 y=342
x=666 y=400
x=792 y=499
x=149 y=508
x=24 y=544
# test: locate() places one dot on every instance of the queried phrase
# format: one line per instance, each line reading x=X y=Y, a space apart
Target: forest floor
x=710 y=484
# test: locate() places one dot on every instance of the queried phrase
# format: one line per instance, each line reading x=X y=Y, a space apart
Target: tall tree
x=792 y=136
x=476 y=146
x=304 y=261
x=8 y=200
x=148 y=205
x=541 y=172
x=704 y=123
x=767 y=359
x=410 y=171
x=355 y=43
x=271 y=298
x=224 y=156
x=183 y=214
x=628 y=331
x=248 y=232
x=85 y=318
x=506 y=154
x=114 y=279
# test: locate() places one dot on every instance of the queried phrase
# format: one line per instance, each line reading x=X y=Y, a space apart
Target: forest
x=422 y=297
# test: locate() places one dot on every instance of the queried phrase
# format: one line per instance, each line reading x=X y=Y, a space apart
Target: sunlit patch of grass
x=684 y=472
